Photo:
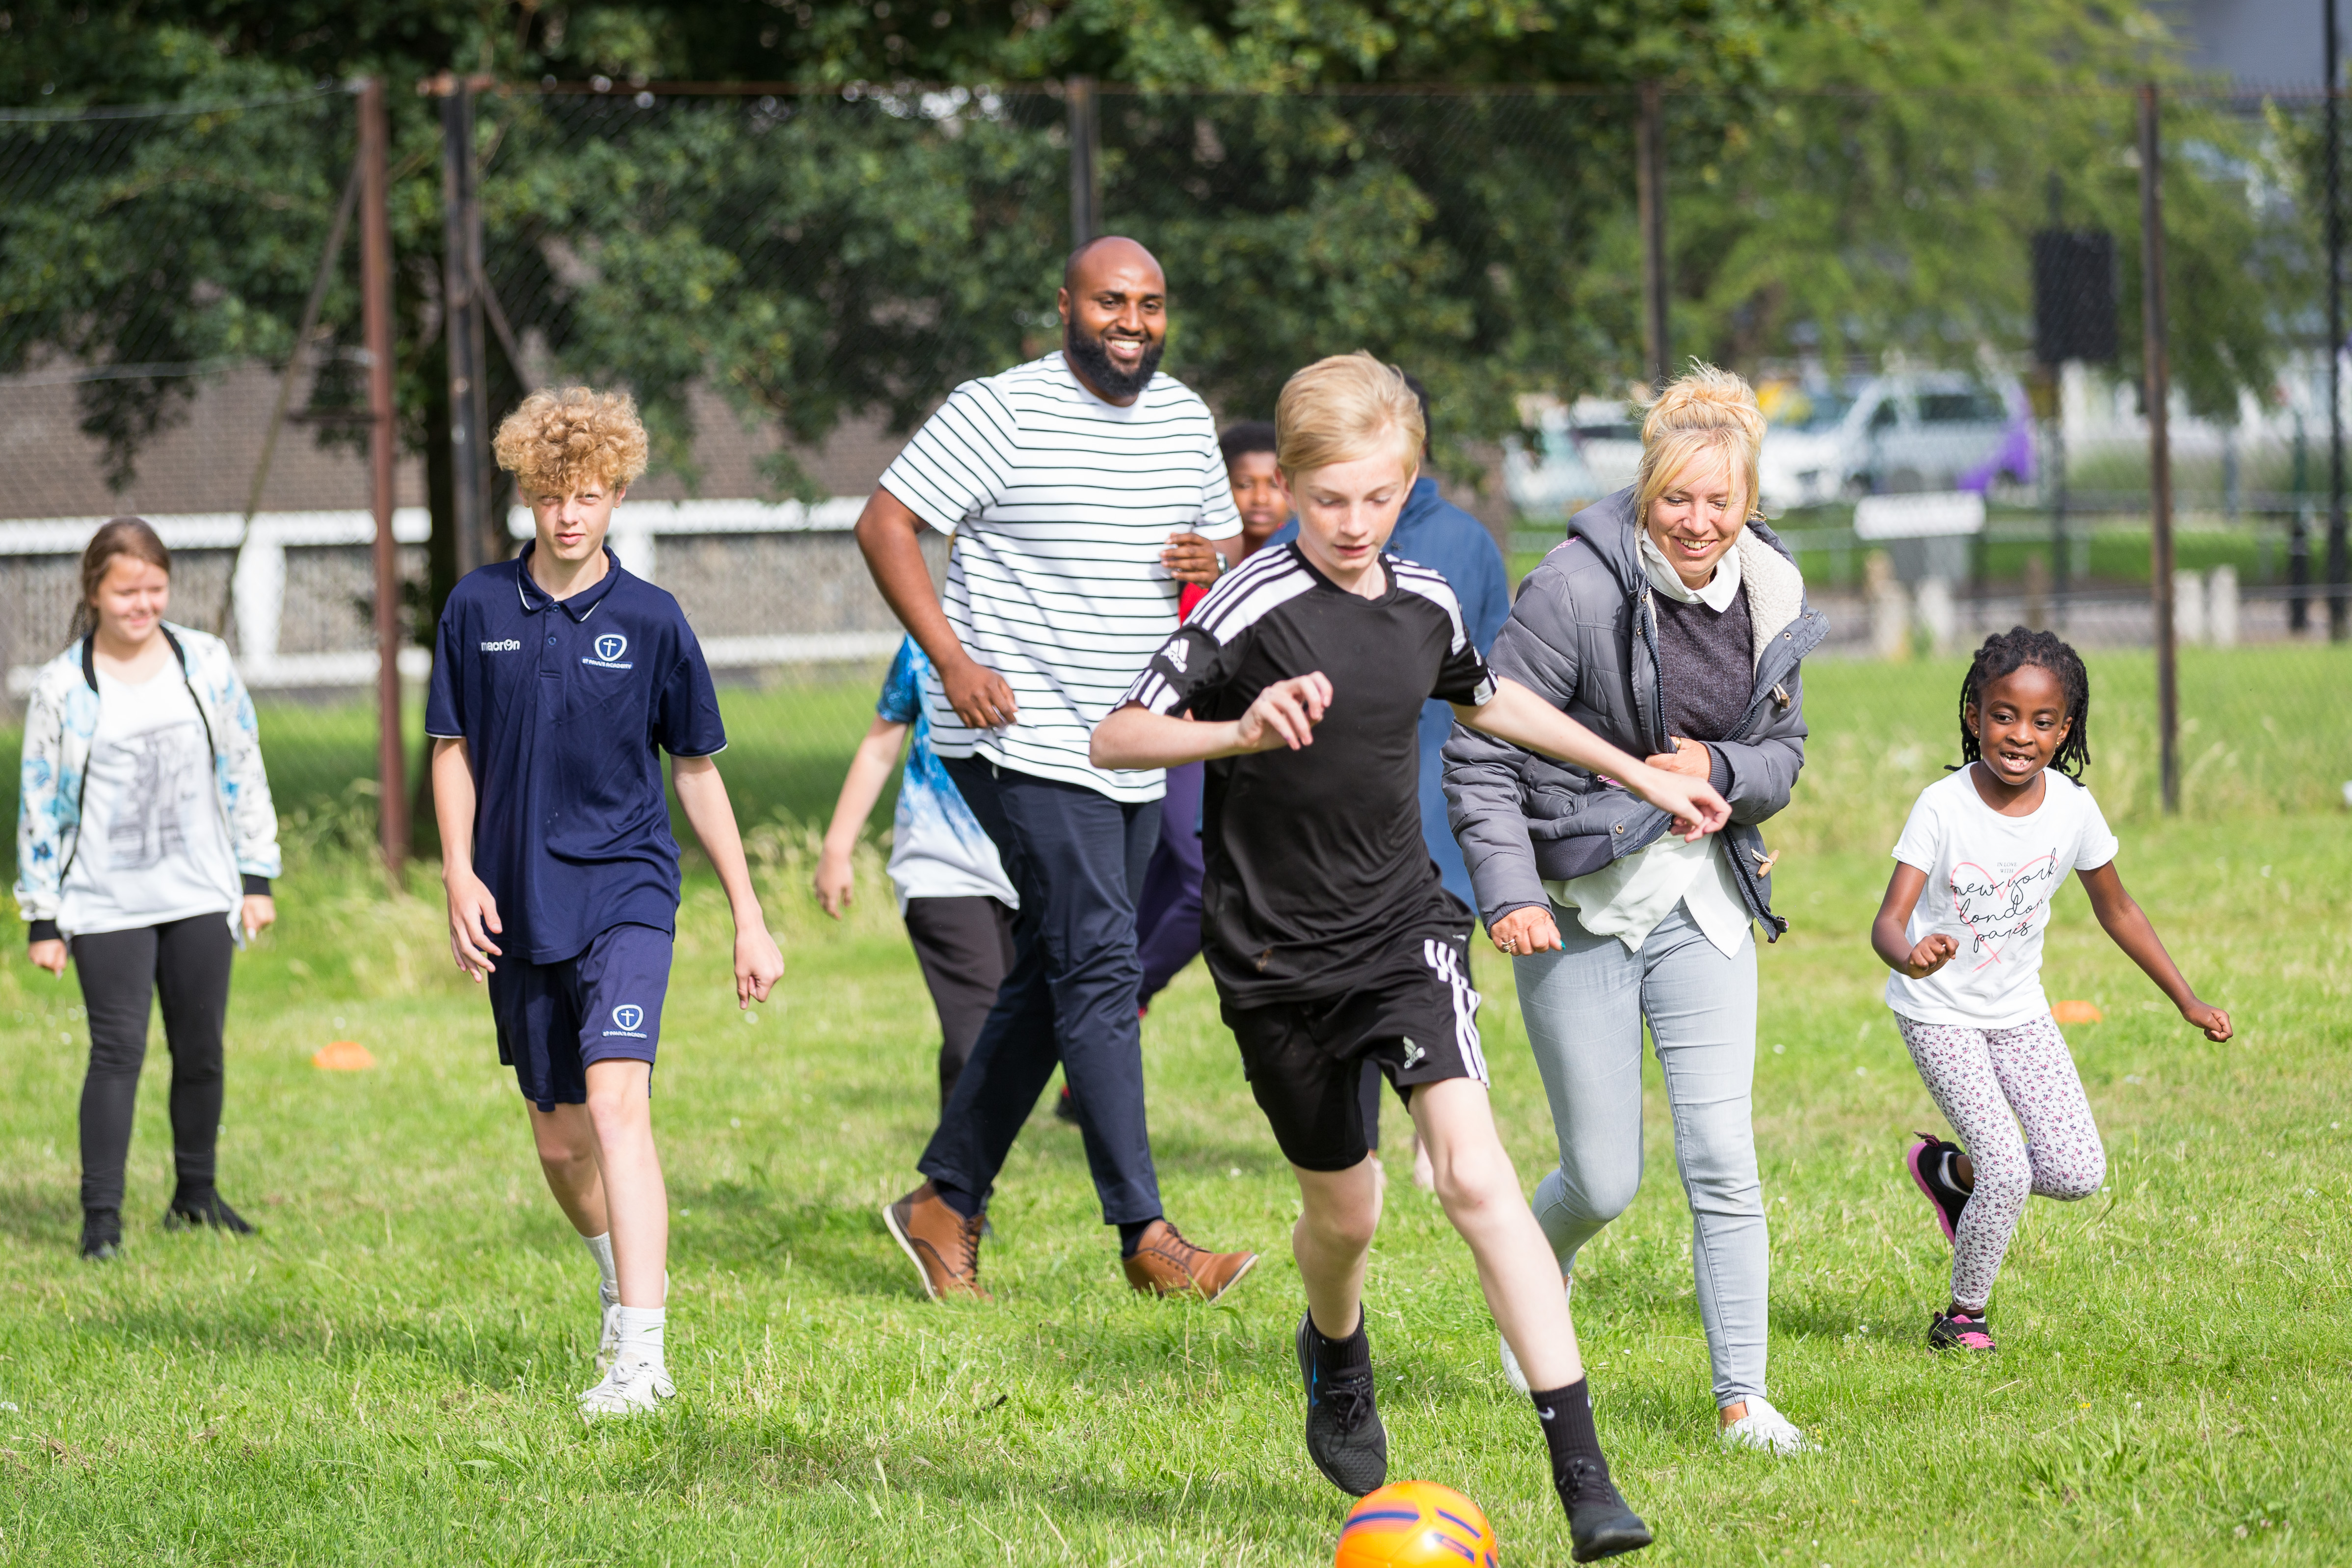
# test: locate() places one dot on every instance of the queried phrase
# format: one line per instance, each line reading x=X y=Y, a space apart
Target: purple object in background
x=2014 y=455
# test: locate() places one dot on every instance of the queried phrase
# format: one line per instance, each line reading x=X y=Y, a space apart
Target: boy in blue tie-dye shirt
x=952 y=891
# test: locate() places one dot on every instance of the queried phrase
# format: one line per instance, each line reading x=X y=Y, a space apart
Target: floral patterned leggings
x=1988 y=1082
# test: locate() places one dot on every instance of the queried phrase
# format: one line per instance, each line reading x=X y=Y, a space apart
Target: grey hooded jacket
x=1584 y=635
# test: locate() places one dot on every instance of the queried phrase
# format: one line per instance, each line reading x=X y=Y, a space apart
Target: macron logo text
x=510 y=645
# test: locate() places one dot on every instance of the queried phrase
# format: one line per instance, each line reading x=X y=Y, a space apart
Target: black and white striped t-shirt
x=1062 y=504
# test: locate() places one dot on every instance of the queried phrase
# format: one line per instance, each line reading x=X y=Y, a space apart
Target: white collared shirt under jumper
x=1990 y=879
x=1628 y=897
x=1060 y=505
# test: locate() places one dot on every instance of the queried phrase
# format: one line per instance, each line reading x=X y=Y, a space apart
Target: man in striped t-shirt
x=1064 y=481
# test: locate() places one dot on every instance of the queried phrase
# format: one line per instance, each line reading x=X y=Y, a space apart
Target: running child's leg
x=1956 y=1064
x=1481 y=1195
x=620 y=1109
x=566 y=1140
x=1339 y=1212
x=2039 y=1080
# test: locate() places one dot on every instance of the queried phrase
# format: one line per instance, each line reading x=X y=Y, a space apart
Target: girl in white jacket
x=145 y=841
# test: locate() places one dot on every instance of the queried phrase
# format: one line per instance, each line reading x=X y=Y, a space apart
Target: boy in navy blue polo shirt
x=557 y=681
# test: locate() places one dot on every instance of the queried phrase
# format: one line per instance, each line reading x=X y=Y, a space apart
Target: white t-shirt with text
x=152 y=846
x=1061 y=503
x=1990 y=879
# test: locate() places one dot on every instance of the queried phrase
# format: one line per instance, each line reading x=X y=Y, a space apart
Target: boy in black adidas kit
x=1330 y=937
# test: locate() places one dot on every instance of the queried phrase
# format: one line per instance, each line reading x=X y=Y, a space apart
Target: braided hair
x=2006 y=653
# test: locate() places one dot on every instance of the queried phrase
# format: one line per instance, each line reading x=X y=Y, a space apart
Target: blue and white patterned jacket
x=61 y=715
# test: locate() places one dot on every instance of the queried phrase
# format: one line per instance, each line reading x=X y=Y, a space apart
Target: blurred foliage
x=1845 y=179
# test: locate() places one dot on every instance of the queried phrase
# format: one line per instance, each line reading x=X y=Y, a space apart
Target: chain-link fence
x=1938 y=295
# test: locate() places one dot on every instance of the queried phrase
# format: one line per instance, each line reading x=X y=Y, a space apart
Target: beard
x=1093 y=359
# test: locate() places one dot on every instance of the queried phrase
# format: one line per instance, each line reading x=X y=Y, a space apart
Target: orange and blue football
x=1417 y=1524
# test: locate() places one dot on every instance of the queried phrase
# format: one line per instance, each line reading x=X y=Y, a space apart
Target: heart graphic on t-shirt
x=1995 y=909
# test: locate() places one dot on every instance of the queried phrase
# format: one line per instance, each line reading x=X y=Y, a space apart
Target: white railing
x=257 y=592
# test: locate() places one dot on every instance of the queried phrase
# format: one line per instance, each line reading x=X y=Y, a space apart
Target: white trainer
x=1764 y=1428
x=630 y=1388
x=1512 y=1374
x=608 y=1344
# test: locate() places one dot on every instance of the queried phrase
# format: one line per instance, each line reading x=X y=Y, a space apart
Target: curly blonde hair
x=561 y=443
x=1343 y=408
x=1705 y=410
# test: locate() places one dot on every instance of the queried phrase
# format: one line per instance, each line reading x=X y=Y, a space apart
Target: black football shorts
x=1304 y=1060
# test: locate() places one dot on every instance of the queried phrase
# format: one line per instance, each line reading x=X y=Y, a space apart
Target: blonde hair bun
x=1343 y=408
x=1705 y=410
x=561 y=443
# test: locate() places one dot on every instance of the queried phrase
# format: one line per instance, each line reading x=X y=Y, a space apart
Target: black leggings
x=965 y=947
x=187 y=961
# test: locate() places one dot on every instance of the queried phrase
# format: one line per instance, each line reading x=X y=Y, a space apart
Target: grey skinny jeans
x=1584 y=1007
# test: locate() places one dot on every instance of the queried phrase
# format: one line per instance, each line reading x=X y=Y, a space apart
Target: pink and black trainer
x=1930 y=1162
x=1961 y=1331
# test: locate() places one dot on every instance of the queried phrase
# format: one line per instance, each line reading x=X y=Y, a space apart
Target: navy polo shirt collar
x=579 y=606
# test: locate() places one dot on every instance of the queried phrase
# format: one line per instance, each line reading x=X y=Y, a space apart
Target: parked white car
x=1935 y=430
x=1589 y=449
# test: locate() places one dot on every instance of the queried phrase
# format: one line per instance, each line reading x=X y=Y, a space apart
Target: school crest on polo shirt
x=628 y=1020
x=607 y=650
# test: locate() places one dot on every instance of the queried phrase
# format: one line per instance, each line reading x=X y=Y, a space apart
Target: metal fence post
x=375 y=289
x=461 y=327
x=1085 y=159
x=2336 y=562
x=2157 y=372
x=1650 y=194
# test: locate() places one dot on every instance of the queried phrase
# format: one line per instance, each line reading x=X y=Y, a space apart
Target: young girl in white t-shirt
x=1979 y=859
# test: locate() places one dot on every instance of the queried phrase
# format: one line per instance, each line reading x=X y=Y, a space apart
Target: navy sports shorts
x=1418 y=1021
x=554 y=1020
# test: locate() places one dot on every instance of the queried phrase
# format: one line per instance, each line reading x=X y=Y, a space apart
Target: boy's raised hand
x=2210 y=1018
x=1697 y=809
x=759 y=964
x=1284 y=714
x=1931 y=954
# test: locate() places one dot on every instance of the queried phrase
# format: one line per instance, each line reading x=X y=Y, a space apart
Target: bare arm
x=2122 y=918
x=869 y=769
x=1887 y=938
x=473 y=913
x=704 y=795
x=888 y=532
x=1523 y=718
x=1284 y=714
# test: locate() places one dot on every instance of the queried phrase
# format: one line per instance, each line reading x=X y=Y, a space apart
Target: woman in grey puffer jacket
x=1671 y=621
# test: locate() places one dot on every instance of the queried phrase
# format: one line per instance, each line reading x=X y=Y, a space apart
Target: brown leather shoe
x=944 y=1245
x=1167 y=1265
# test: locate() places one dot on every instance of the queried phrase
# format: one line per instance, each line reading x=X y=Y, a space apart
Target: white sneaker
x=1764 y=1428
x=1511 y=1373
x=608 y=1344
x=630 y=1388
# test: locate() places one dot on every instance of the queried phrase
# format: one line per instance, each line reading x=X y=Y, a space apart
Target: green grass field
x=385 y=1375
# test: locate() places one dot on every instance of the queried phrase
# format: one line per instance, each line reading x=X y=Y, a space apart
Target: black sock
x=1353 y=1354
x=964 y=1203
x=1565 y=1415
x=1131 y=1235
